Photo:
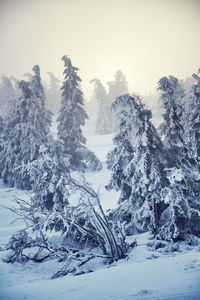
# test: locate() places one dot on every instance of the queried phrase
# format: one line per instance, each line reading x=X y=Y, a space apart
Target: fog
x=146 y=39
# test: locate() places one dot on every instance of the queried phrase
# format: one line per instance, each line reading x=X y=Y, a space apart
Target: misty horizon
x=144 y=39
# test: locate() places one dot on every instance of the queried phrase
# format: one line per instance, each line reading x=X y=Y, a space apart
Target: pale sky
x=146 y=39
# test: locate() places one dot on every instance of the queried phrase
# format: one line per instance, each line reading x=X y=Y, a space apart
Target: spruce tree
x=117 y=160
x=70 y=119
x=25 y=132
x=40 y=116
x=148 y=179
x=192 y=143
x=103 y=122
x=49 y=174
x=138 y=172
x=192 y=123
x=172 y=127
x=181 y=216
x=16 y=148
x=179 y=220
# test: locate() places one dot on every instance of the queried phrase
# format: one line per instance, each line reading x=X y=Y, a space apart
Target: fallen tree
x=74 y=235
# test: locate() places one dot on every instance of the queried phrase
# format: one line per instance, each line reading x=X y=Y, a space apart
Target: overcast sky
x=146 y=39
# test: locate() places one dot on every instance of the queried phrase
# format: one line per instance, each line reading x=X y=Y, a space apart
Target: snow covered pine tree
x=26 y=131
x=42 y=117
x=182 y=215
x=70 y=119
x=172 y=128
x=137 y=166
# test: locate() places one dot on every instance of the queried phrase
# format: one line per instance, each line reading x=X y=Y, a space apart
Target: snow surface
x=145 y=274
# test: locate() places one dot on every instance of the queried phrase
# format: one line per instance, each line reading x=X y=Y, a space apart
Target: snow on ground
x=142 y=276
x=6 y=216
x=145 y=274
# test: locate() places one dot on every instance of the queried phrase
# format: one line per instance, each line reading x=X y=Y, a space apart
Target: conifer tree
x=70 y=119
x=24 y=133
x=180 y=219
x=41 y=117
x=138 y=172
x=148 y=179
x=49 y=174
x=117 y=160
x=192 y=123
x=172 y=127
x=103 y=122
x=181 y=216
x=192 y=144
x=12 y=156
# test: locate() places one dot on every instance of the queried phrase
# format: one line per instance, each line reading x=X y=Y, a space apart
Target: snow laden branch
x=115 y=247
x=74 y=235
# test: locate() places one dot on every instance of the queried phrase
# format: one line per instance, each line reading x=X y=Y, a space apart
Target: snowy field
x=145 y=274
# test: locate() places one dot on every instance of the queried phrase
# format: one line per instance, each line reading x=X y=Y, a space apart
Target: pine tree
x=24 y=134
x=192 y=123
x=138 y=172
x=15 y=128
x=41 y=117
x=103 y=122
x=180 y=219
x=70 y=119
x=148 y=180
x=192 y=144
x=172 y=127
x=49 y=174
x=182 y=215
x=117 y=160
